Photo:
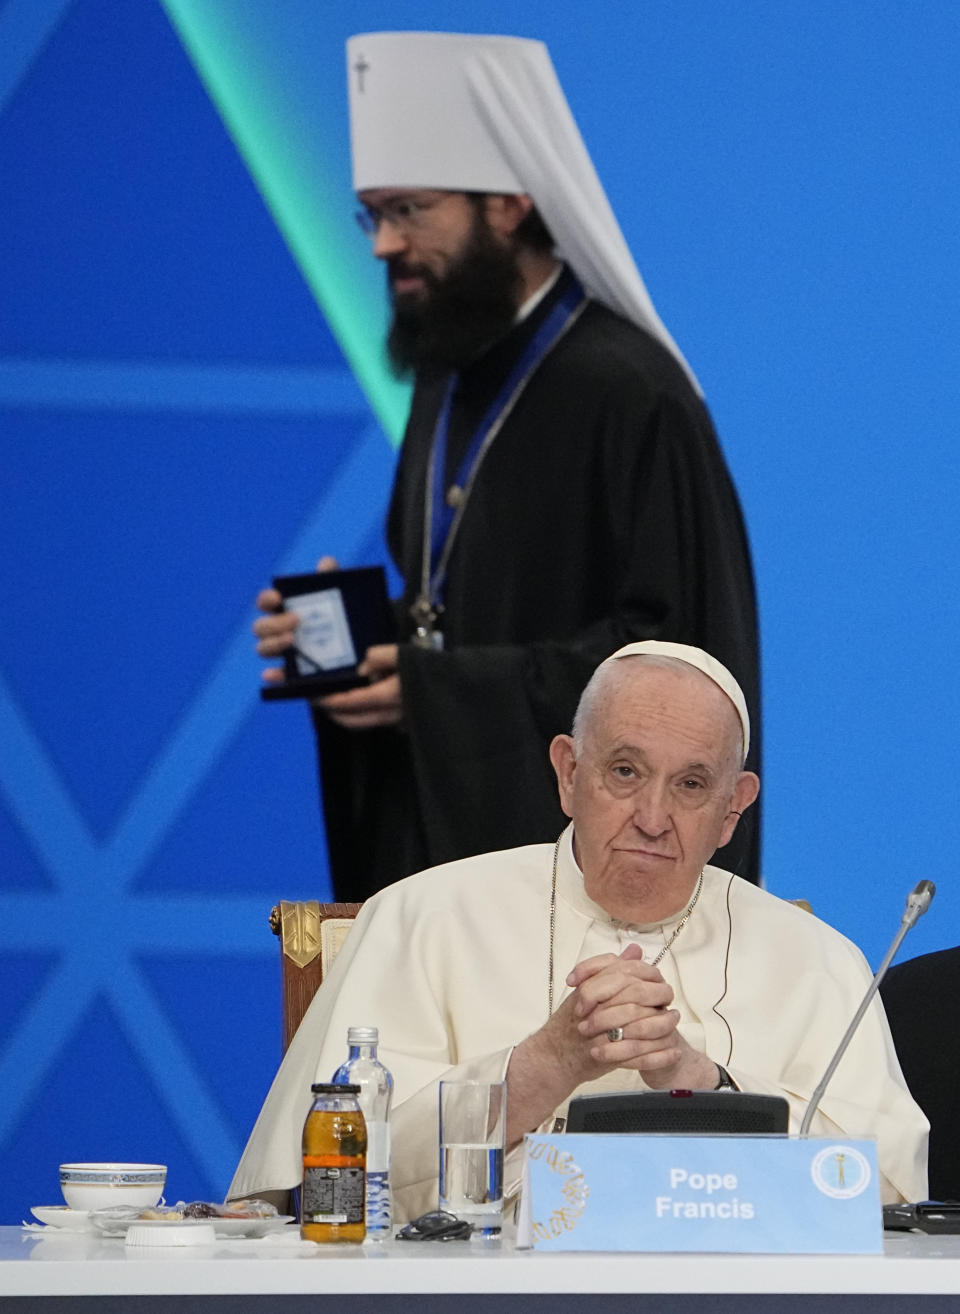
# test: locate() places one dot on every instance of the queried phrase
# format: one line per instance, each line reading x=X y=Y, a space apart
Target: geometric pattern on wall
x=93 y=921
x=90 y=935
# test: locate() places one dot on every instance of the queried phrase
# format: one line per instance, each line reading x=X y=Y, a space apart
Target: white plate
x=250 y=1226
x=70 y=1220
x=222 y=1226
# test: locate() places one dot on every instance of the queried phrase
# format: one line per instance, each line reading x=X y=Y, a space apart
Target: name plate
x=732 y=1194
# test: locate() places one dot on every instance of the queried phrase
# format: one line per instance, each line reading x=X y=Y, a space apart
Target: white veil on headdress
x=487 y=114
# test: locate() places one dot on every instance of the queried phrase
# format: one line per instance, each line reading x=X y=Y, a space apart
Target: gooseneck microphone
x=918 y=901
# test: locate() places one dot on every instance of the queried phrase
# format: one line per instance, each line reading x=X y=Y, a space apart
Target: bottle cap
x=332 y=1088
x=363 y=1036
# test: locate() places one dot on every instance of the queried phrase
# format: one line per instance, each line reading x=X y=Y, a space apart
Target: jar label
x=332 y=1195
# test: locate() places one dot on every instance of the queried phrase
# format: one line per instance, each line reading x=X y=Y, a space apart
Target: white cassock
x=452 y=965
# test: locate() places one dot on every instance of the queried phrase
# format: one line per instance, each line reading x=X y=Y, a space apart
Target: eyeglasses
x=406 y=214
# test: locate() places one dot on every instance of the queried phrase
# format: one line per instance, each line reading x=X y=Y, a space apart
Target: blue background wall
x=191 y=399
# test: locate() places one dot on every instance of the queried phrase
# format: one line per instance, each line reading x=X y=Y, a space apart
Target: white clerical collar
x=570 y=887
x=531 y=303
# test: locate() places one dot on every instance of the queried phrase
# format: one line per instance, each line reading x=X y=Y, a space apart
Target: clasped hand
x=624 y=991
x=572 y=1047
x=380 y=703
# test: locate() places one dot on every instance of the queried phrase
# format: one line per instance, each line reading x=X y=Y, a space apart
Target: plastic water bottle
x=365 y=1070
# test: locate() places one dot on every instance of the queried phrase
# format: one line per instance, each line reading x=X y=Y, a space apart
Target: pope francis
x=616 y=958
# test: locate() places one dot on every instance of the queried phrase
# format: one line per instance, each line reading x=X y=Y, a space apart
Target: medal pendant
x=427 y=638
x=425 y=616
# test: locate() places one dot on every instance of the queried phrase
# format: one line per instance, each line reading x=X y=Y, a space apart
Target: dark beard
x=459 y=315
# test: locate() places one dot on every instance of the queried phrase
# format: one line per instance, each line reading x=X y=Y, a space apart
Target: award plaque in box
x=342 y=612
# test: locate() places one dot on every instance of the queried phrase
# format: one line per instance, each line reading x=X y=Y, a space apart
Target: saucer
x=69 y=1220
x=110 y=1225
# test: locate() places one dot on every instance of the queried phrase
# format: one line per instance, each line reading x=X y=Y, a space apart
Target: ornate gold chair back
x=310 y=935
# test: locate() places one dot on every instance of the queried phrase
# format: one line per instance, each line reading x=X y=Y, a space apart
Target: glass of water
x=473 y=1126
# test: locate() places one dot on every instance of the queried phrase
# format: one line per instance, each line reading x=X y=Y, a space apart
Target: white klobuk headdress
x=487 y=114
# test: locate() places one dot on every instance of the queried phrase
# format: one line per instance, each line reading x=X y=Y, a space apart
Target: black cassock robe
x=602 y=513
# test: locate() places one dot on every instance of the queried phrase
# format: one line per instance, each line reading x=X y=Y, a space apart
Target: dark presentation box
x=342 y=612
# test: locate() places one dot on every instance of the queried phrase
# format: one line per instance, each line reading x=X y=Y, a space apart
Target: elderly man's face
x=653 y=791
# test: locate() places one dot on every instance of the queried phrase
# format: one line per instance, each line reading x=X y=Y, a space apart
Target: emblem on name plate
x=840 y=1171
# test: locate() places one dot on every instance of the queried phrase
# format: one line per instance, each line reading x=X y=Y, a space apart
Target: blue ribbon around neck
x=442 y=514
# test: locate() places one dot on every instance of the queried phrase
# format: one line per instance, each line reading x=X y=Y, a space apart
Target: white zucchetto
x=701 y=661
